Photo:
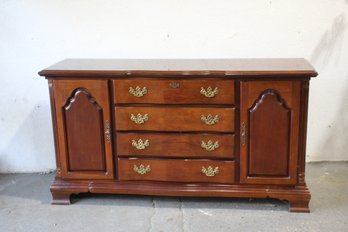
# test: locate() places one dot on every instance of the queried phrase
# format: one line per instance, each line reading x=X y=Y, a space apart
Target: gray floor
x=25 y=206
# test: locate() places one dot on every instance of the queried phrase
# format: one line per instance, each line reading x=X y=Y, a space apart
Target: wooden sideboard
x=200 y=127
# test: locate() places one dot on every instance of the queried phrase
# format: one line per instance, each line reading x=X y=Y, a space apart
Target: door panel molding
x=269 y=147
x=270 y=111
x=81 y=108
x=83 y=117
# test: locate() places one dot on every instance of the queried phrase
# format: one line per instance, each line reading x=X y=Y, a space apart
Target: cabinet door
x=82 y=126
x=269 y=119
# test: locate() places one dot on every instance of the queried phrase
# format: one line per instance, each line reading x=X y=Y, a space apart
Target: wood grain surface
x=174 y=91
x=182 y=145
x=105 y=68
x=174 y=119
x=172 y=170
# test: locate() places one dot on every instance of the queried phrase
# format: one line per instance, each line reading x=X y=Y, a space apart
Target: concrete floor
x=25 y=206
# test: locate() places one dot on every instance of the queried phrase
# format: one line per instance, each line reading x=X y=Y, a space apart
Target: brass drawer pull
x=209 y=92
x=139 y=119
x=140 y=145
x=138 y=92
x=210 y=171
x=210 y=146
x=174 y=85
x=210 y=120
x=142 y=169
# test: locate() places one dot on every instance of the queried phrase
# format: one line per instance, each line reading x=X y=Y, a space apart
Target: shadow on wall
x=31 y=149
x=329 y=47
x=335 y=143
x=328 y=51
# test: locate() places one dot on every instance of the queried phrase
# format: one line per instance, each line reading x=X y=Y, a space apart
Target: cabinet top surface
x=180 y=67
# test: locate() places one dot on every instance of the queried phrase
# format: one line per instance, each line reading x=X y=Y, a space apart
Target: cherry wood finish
x=90 y=156
x=262 y=104
x=303 y=134
x=265 y=148
x=174 y=119
x=177 y=170
x=174 y=91
x=297 y=196
x=81 y=107
x=255 y=68
x=270 y=113
x=174 y=144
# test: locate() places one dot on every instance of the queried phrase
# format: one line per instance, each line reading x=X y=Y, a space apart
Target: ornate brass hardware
x=174 y=84
x=210 y=146
x=138 y=92
x=210 y=171
x=142 y=169
x=243 y=133
x=139 y=119
x=140 y=145
x=107 y=131
x=210 y=120
x=209 y=92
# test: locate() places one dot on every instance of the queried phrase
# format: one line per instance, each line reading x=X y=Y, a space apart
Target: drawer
x=176 y=170
x=174 y=119
x=175 y=145
x=172 y=91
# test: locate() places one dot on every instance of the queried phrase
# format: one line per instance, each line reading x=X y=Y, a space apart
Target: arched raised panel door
x=269 y=119
x=84 y=142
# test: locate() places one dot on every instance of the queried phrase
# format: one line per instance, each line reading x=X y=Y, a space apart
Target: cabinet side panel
x=303 y=131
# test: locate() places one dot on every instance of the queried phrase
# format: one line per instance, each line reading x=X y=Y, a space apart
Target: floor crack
x=182 y=215
x=153 y=214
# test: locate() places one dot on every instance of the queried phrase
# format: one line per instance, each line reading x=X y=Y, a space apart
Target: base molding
x=299 y=206
x=297 y=196
x=60 y=198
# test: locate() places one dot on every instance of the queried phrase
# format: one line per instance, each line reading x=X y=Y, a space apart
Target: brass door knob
x=107 y=131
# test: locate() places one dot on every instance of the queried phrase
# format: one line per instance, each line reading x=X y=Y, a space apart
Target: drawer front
x=174 y=119
x=175 y=145
x=176 y=170
x=164 y=91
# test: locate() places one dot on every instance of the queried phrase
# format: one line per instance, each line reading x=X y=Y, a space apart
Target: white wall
x=36 y=33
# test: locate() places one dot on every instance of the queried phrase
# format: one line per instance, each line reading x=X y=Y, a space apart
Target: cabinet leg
x=297 y=206
x=60 y=198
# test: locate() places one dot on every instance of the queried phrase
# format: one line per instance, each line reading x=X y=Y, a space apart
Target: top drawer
x=173 y=91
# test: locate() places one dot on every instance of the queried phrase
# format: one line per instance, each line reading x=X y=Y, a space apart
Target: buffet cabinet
x=220 y=128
